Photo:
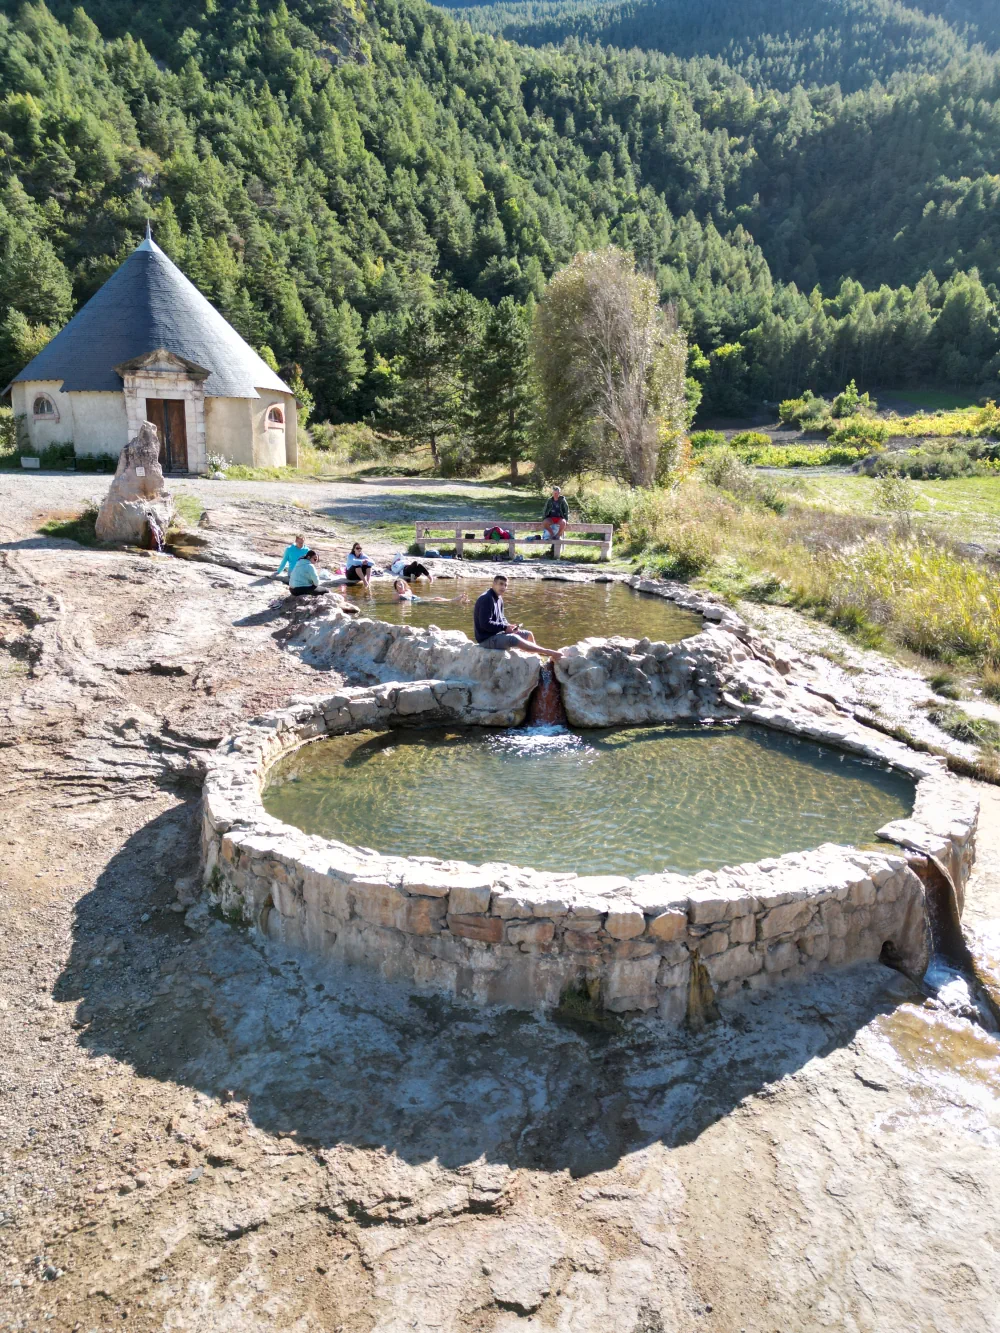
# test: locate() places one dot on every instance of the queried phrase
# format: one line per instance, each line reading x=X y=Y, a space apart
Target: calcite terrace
x=662 y=944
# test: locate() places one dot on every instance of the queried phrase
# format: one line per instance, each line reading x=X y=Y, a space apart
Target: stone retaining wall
x=499 y=933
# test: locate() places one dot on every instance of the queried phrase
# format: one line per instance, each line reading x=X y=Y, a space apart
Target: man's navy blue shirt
x=487 y=616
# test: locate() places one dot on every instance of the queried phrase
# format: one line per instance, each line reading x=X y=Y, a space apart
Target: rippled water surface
x=620 y=801
x=556 y=613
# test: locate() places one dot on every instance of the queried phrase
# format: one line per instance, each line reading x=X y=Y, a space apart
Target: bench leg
x=606 y=551
x=556 y=549
x=459 y=547
x=511 y=549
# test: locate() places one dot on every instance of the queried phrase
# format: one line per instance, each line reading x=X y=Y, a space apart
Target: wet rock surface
x=195 y=1137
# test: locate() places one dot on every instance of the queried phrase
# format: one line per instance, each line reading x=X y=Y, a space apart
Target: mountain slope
x=319 y=171
x=778 y=43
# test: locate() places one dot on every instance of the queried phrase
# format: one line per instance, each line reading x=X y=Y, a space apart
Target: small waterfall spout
x=155 y=542
x=545 y=708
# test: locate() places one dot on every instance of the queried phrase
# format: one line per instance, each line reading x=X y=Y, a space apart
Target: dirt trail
x=198 y=1133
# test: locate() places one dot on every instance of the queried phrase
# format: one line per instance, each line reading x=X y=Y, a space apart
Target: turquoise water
x=625 y=801
x=556 y=613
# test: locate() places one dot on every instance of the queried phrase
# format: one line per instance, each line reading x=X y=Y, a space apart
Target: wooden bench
x=457 y=528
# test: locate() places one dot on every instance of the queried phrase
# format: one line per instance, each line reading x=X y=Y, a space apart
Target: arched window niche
x=276 y=416
x=44 y=409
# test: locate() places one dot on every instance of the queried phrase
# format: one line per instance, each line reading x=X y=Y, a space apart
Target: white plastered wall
x=274 y=446
x=95 y=423
x=229 y=428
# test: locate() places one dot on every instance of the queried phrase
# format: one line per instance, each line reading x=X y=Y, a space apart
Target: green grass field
x=966 y=508
x=929 y=400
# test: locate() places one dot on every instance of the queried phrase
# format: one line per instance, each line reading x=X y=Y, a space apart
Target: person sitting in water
x=293 y=554
x=359 y=568
x=492 y=629
x=555 y=516
x=413 y=570
x=403 y=594
x=303 y=581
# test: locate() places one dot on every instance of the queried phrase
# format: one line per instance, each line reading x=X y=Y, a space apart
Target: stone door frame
x=162 y=374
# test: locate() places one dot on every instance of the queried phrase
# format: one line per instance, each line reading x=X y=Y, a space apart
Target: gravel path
x=23 y=494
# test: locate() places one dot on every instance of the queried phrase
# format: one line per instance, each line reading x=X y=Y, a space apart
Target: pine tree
x=502 y=398
x=421 y=407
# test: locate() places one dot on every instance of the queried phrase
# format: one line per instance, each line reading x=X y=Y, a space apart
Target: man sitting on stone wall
x=493 y=630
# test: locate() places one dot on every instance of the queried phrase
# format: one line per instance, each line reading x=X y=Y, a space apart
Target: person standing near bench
x=493 y=630
x=555 y=517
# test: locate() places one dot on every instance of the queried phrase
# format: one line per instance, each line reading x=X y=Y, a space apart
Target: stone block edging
x=502 y=934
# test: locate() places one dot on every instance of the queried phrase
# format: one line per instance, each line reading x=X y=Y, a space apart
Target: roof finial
x=149 y=231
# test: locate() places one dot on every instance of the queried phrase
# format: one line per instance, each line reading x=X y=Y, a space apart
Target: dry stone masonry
x=663 y=944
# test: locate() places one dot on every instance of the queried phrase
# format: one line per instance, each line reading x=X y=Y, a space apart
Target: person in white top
x=359 y=568
x=409 y=570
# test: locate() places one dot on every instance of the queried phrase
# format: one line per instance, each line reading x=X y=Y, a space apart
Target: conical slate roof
x=146 y=305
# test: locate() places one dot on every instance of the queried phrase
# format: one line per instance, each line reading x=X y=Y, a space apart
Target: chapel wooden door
x=167 y=415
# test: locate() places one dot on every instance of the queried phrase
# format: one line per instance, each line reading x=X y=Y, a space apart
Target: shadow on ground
x=375 y=509
x=338 y=1057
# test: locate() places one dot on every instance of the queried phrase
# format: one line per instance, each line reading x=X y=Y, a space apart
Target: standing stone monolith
x=137 y=509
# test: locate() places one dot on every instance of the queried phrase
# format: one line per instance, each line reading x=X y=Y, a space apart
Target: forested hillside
x=324 y=172
x=777 y=43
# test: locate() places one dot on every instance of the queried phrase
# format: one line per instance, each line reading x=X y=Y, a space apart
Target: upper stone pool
x=626 y=801
x=556 y=612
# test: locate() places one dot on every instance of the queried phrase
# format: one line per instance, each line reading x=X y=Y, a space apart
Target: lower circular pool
x=624 y=801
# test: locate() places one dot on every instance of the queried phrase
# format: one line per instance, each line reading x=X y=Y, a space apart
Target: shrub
x=726 y=470
x=8 y=431
x=801 y=455
x=850 y=403
x=674 y=459
x=955 y=721
x=798 y=411
x=611 y=504
x=353 y=440
x=991 y=681
x=58 y=456
x=96 y=462
x=945 y=684
x=987 y=420
x=896 y=497
x=707 y=439
x=458 y=460
x=685 y=554
x=750 y=439
x=818 y=425
x=938 y=461
x=935 y=602
x=861 y=432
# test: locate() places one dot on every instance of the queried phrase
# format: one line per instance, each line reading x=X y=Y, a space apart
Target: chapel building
x=149 y=347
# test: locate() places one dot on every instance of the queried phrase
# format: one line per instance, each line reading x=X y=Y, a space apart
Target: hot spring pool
x=626 y=801
x=557 y=613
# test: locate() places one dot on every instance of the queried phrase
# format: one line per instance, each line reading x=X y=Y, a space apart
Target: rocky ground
x=198 y=1133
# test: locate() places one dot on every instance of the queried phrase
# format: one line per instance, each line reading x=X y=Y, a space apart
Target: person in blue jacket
x=303 y=581
x=293 y=554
